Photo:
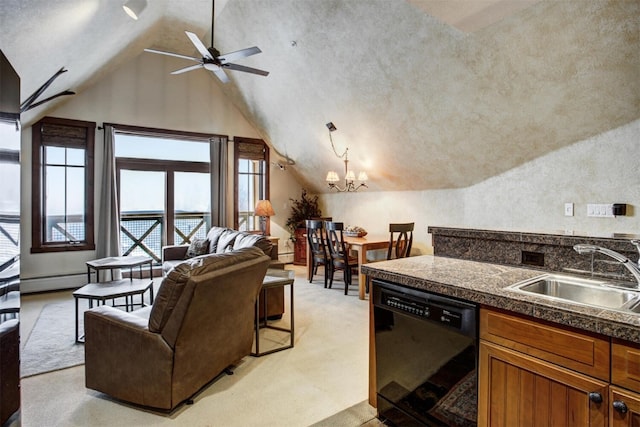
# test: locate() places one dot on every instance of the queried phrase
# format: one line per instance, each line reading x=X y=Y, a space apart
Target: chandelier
x=349 y=175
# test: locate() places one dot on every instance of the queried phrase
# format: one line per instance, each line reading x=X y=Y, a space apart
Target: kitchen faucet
x=630 y=265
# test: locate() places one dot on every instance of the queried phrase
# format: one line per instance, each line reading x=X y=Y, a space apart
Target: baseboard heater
x=52 y=283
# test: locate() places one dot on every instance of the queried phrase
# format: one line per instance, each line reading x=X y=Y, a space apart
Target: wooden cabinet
x=518 y=388
x=625 y=406
x=624 y=394
x=300 y=247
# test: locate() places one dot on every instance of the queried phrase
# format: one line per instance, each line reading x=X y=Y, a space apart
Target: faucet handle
x=636 y=242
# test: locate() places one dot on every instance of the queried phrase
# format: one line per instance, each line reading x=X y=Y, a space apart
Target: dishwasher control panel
x=413 y=307
x=429 y=307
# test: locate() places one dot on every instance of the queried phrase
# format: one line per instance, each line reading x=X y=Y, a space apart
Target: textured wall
x=422 y=105
x=602 y=169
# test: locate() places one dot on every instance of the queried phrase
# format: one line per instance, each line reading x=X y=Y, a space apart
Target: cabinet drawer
x=625 y=364
x=568 y=347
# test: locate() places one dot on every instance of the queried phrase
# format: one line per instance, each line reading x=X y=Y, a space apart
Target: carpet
x=52 y=344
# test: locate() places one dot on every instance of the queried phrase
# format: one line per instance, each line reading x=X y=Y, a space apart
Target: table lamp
x=263 y=210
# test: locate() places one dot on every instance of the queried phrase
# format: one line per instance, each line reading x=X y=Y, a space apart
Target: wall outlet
x=568 y=209
x=601 y=210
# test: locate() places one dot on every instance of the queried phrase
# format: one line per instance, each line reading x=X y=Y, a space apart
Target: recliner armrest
x=124 y=359
x=174 y=252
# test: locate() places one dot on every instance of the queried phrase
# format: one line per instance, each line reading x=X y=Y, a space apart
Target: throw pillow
x=197 y=247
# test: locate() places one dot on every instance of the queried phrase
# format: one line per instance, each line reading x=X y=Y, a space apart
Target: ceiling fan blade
x=199 y=45
x=185 y=69
x=237 y=67
x=34 y=105
x=221 y=75
x=27 y=104
x=173 y=54
x=238 y=54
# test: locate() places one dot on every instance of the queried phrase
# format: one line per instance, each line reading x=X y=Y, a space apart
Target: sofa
x=222 y=240
x=201 y=323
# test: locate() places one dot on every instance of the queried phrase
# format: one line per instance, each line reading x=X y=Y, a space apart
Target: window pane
x=143 y=147
x=75 y=156
x=142 y=201
x=243 y=165
x=10 y=190
x=54 y=155
x=192 y=206
x=75 y=203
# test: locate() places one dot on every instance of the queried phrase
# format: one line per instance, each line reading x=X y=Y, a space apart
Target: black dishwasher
x=426 y=357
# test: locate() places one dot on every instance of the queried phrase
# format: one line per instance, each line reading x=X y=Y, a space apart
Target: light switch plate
x=568 y=209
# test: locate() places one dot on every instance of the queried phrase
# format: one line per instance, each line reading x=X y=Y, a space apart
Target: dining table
x=361 y=245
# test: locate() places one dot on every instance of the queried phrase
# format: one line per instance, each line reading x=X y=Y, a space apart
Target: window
x=10 y=189
x=62 y=188
x=251 y=182
x=164 y=188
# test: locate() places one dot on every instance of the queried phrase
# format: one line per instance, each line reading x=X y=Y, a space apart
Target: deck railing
x=141 y=232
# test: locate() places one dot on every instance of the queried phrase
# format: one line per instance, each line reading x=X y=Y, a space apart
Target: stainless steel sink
x=590 y=292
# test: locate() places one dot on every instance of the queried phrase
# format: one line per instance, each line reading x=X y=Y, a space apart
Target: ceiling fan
x=211 y=59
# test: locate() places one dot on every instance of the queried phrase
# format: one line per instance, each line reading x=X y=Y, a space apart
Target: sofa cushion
x=245 y=240
x=225 y=242
x=213 y=236
x=197 y=247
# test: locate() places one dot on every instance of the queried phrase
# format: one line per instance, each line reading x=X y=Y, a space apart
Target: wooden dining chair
x=319 y=256
x=400 y=240
x=339 y=254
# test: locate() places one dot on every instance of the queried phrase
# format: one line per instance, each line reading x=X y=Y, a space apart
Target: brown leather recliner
x=201 y=322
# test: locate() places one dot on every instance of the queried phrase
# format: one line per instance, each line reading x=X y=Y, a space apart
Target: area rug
x=358 y=415
x=52 y=345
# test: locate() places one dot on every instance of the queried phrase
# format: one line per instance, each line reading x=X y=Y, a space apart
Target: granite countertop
x=486 y=284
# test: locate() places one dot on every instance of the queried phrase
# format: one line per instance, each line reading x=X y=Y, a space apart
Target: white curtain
x=219 y=153
x=108 y=237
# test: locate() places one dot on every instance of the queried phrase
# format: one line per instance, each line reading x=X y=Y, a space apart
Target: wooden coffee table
x=101 y=292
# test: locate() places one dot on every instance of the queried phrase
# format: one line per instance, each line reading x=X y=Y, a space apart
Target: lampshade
x=350 y=176
x=332 y=176
x=134 y=8
x=264 y=208
x=362 y=176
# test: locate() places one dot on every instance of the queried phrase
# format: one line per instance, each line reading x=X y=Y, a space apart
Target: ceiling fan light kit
x=211 y=59
x=134 y=8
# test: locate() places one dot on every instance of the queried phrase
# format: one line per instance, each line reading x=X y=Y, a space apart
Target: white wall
x=531 y=197
x=141 y=93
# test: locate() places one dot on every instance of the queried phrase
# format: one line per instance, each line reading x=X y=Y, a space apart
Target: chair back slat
x=400 y=240
x=316 y=238
x=335 y=241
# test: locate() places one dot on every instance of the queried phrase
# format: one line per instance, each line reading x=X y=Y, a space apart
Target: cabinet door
x=519 y=390
x=625 y=408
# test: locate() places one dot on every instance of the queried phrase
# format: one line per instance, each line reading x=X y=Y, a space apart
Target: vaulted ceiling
x=426 y=94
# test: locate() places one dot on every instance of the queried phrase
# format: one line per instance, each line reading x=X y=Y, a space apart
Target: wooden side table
x=274 y=278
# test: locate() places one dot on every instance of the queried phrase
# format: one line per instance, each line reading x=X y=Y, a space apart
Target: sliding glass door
x=164 y=192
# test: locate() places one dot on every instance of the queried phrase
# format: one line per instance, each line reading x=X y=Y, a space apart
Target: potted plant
x=302 y=209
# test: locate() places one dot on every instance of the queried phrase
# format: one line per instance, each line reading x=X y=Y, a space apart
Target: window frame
x=38 y=187
x=169 y=167
x=238 y=154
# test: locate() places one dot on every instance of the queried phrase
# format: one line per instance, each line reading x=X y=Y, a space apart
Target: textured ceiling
x=423 y=96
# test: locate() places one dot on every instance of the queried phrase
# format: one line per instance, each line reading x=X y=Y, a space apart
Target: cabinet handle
x=595 y=397
x=620 y=406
